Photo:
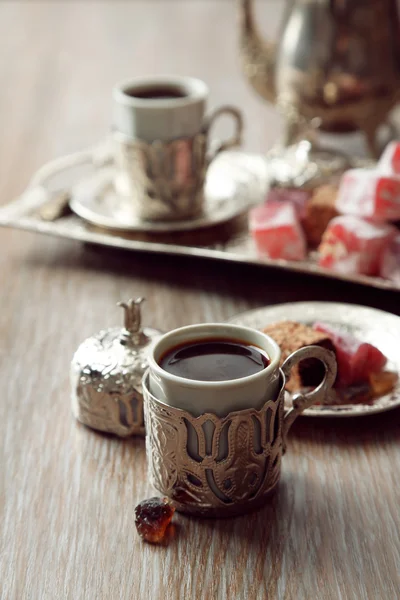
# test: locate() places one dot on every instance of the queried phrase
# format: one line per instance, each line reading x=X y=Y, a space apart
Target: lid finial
x=132 y=316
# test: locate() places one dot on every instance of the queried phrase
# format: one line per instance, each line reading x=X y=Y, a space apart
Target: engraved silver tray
x=226 y=240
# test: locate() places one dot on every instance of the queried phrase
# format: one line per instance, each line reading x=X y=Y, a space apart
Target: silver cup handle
x=235 y=140
x=302 y=401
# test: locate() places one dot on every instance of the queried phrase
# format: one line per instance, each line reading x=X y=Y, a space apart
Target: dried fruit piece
x=382 y=383
x=276 y=230
x=152 y=518
x=356 y=360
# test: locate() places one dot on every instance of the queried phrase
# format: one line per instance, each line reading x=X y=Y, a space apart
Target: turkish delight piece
x=297 y=197
x=390 y=159
x=356 y=360
x=277 y=232
x=369 y=194
x=353 y=245
x=320 y=210
x=390 y=265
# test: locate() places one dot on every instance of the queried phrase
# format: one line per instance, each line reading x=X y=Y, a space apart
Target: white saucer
x=235 y=181
x=368 y=324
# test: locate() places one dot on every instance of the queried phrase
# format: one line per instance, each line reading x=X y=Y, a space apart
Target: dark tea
x=157 y=92
x=214 y=360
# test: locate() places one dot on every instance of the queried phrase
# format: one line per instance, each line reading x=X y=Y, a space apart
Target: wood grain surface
x=67 y=493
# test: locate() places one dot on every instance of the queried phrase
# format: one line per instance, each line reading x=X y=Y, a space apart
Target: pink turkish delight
x=355 y=359
x=369 y=194
x=276 y=230
x=298 y=198
x=352 y=245
x=390 y=266
x=390 y=159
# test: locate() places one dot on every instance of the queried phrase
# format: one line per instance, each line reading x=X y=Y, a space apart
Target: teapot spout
x=257 y=55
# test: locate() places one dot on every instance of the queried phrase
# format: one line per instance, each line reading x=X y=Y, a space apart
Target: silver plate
x=233 y=185
x=228 y=241
x=368 y=324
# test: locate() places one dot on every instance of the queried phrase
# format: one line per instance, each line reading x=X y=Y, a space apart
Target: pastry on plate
x=291 y=336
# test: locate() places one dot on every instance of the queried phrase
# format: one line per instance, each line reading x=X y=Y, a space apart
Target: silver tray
x=227 y=241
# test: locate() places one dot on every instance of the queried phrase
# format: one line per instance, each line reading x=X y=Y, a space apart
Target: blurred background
x=74 y=51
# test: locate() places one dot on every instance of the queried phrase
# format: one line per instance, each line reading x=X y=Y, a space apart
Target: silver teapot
x=337 y=62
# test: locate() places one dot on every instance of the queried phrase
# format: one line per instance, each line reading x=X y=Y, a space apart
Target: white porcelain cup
x=218 y=397
x=163 y=119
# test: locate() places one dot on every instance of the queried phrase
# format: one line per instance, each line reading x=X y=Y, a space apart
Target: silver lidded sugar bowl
x=106 y=375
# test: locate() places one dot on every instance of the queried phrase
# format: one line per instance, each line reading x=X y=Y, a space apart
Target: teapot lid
x=132 y=334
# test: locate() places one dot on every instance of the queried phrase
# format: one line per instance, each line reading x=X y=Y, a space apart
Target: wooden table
x=68 y=493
